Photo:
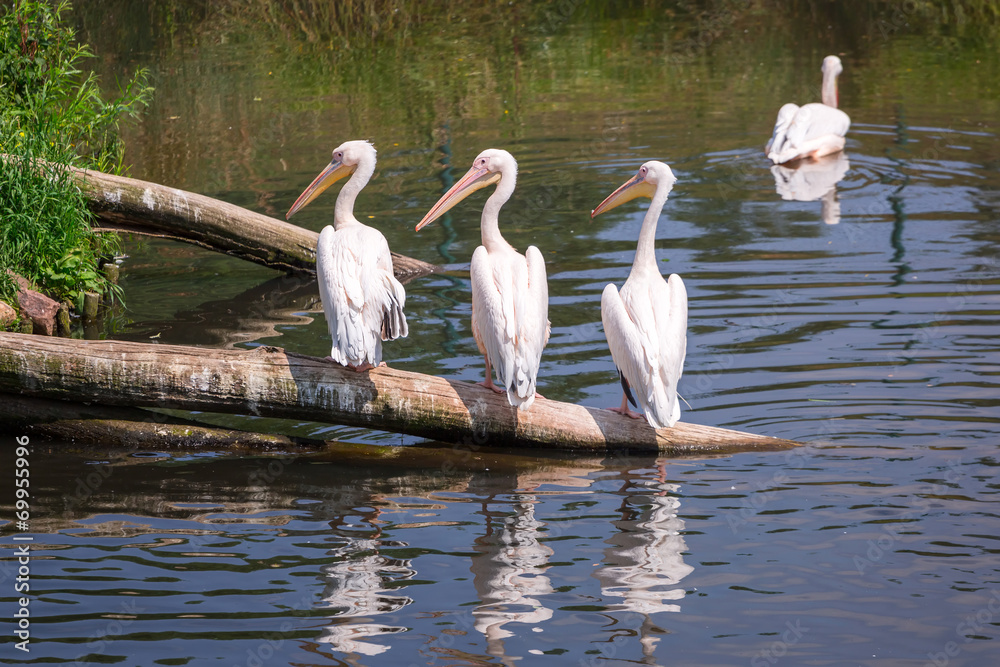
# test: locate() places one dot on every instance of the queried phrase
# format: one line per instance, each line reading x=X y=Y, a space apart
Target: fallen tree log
x=130 y=205
x=270 y=382
x=123 y=426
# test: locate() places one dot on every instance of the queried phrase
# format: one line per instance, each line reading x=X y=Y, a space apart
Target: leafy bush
x=52 y=115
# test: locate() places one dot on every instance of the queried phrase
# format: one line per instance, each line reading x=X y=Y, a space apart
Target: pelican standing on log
x=646 y=322
x=362 y=300
x=510 y=295
x=812 y=130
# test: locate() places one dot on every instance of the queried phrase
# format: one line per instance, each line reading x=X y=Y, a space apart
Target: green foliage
x=73 y=274
x=52 y=114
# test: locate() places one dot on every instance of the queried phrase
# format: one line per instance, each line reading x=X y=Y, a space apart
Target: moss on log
x=270 y=382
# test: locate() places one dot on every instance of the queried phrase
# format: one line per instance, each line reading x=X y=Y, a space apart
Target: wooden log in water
x=129 y=205
x=129 y=427
x=270 y=382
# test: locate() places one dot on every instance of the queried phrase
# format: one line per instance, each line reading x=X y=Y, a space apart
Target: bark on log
x=130 y=205
x=270 y=382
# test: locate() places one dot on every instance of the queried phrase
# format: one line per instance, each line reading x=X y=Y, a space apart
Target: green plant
x=73 y=274
x=53 y=116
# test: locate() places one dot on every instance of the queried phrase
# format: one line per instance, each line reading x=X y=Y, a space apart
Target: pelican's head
x=832 y=66
x=347 y=157
x=488 y=168
x=650 y=177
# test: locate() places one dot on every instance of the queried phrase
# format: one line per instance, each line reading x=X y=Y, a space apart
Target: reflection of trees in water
x=256 y=313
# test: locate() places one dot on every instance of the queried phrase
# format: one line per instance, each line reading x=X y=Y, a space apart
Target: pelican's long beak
x=334 y=171
x=475 y=179
x=634 y=187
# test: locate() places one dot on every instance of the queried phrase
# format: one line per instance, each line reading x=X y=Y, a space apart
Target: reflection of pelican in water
x=349 y=637
x=511 y=562
x=643 y=562
x=816 y=179
x=509 y=575
x=358 y=585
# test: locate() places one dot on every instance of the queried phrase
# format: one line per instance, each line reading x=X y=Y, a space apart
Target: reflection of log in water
x=363 y=590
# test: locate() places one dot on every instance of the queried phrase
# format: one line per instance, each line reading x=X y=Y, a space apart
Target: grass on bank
x=53 y=114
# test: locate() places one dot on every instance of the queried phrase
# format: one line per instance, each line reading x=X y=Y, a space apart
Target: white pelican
x=510 y=295
x=646 y=322
x=812 y=130
x=362 y=300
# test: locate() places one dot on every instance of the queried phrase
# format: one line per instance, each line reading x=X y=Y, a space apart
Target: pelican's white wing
x=670 y=310
x=393 y=295
x=815 y=130
x=531 y=308
x=362 y=300
x=510 y=317
x=489 y=323
x=646 y=328
x=624 y=340
x=785 y=115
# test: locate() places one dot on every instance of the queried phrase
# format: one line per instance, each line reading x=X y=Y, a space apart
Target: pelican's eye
x=339 y=156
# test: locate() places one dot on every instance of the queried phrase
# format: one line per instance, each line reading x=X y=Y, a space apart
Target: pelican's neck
x=645 y=251
x=490 y=223
x=829 y=91
x=343 y=213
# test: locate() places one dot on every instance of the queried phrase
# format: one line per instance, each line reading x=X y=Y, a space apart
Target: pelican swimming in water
x=362 y=300
x=510 y=295
x=646 y=322
x=812 y=130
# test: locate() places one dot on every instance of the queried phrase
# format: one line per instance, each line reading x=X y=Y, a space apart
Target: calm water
x=861 y=320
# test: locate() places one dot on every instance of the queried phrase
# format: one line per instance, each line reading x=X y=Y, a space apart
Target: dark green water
x=864 y=324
